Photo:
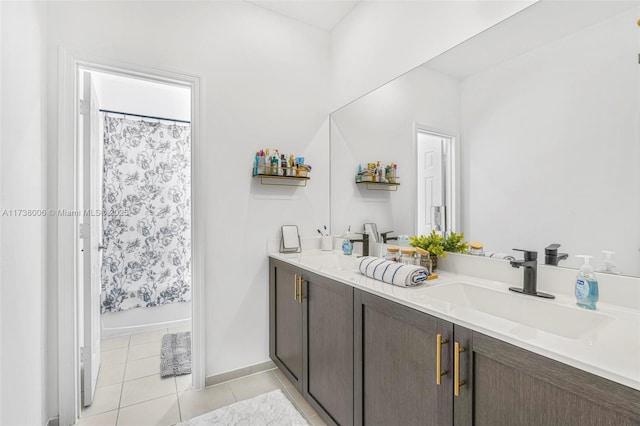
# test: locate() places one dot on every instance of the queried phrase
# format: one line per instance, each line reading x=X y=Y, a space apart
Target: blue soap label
x=582 y=288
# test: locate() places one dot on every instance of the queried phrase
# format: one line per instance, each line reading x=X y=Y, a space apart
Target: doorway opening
x=136 y=245
x=82 y=190
x=436 y=183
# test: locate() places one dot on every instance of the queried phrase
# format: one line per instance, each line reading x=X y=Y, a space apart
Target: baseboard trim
x=241 y=372
x=54 y=421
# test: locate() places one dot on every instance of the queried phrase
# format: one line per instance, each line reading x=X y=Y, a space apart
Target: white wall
x=381 y=126
x=265 y=84
x=380 y=40
x=22 y=247
x=509 y=126
x=143 y=97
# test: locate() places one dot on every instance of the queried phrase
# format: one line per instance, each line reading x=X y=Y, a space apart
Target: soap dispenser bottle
x=608 y=265
x=347 y=245
x=586 y=285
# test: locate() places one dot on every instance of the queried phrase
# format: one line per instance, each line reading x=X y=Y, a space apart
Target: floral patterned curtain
x=147 y=228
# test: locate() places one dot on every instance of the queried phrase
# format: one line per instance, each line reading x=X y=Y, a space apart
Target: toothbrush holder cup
x=326 y=243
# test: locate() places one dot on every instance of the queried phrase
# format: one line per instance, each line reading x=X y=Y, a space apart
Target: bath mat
x=175 y=356
x=271 y=408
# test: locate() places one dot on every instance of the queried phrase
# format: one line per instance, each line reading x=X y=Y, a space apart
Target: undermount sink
x=551 y=317
x=330 y=261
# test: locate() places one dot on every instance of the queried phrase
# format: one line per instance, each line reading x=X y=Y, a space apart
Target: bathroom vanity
x=462 y=350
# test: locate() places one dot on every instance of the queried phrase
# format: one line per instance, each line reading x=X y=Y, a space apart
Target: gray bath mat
x=175 y=356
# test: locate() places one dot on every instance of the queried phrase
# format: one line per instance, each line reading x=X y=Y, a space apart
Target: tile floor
x=130 y=391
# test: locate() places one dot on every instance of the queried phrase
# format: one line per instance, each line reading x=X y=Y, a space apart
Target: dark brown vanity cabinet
x=396 y=365
x=311 y=338
x=507 y=385
x=285 y=320
x=400 y=353
x=362 y=359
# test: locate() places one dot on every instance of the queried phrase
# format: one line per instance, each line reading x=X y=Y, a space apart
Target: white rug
x=271 y=408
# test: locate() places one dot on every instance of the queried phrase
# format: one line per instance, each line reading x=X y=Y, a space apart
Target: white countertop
x=611 y=350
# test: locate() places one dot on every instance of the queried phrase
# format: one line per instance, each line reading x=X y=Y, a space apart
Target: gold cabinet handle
x=295 y=287
x=439 y=371
x=456 y=369
x=300 y=296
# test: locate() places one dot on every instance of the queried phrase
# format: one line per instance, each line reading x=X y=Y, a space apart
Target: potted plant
x=438 y=246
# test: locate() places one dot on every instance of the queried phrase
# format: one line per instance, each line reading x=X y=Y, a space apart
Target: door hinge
x=83 y=231
x=83 y=107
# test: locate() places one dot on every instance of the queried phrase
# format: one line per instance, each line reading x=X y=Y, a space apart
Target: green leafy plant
x=438 y=245
x=433 y=243
x=455 y=243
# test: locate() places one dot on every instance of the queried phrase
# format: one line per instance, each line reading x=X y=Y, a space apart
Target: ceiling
x=322 y=14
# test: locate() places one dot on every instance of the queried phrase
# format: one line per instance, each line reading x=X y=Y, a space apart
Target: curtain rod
x=144 y=116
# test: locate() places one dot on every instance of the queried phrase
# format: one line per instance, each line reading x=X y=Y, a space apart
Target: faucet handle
x=552 y=249
x=528 y=254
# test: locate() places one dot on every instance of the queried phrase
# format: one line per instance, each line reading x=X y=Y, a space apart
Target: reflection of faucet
x=551 y=256
x=530 y=265
x=386 y=237
x=365 y=244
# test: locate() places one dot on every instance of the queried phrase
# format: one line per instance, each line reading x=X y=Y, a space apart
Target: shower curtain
x=147 y=213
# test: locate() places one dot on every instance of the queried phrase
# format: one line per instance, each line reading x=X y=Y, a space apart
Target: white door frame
x=66 y=231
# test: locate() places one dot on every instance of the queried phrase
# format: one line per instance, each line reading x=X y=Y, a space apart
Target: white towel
x=392 y=272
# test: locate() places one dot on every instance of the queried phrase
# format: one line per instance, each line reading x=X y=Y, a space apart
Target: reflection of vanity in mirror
x=525 y=135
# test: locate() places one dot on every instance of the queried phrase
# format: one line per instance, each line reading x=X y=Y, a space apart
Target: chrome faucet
x=551 y=255
x=530 y=265
x=365 y=243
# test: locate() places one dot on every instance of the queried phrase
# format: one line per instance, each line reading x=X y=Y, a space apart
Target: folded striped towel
x=392 y=272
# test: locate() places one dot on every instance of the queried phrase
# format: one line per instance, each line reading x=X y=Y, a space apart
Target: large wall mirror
x=540 y=116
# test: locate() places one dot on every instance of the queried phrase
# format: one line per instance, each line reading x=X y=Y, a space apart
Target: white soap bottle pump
x=586 y=289
x=608 y=265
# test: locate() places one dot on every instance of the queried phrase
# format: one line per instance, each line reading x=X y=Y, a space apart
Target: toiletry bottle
x=392 y=254
x=347 y=245
x=276 y=162
x=256 y=164
x=586 y=285
x=262 y=164
x=285 y=166
x=608 y=265
x=425 y=259
x=267 y=162
x=476 y=248
x=406 y=256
